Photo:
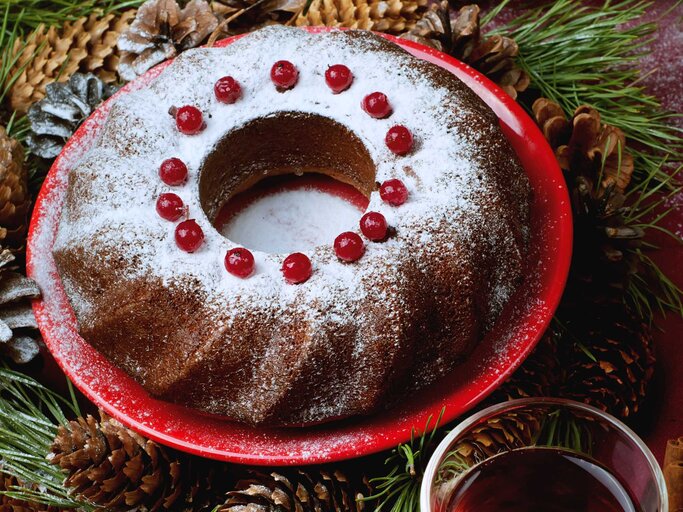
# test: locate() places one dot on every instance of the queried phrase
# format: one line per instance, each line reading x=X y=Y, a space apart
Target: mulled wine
x=540 y=480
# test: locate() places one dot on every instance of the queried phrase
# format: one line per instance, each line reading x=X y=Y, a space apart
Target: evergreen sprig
x=578 y=54
x=29 y=14
x=399 y=489
x=30 y=415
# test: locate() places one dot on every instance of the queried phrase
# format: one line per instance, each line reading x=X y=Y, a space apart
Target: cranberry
x=349 y=246
x=173 y=171
x=374 y=226
x=399 y=139
x=376 y=105
x=188 y=235
x=170 y=206
x=239 y=262
x=393 y=192
x=189 y=120
x=227 y=90
x=284 y=75
x=296 y=268
x=338 y=78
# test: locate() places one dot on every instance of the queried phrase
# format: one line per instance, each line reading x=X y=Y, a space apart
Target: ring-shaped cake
x=355 y=336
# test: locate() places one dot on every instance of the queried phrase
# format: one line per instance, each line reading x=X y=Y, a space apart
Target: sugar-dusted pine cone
x=66 y=105
x=391 y=16
x=14 y=199
x=8 y=504
x=117 y=469
x=494 y=56
x=161 y=30
x=289 y=490
x=18 y=328
x=87 y=45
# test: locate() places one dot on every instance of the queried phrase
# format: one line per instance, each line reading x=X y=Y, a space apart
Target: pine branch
x=399 y=490
x=29 y=14
x=576 y=54
x=30 y=415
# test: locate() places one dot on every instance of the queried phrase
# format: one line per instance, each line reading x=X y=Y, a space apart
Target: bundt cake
x=390 y=306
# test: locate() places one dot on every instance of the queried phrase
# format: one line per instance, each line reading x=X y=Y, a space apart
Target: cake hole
x=287 y=182
x=289 y=213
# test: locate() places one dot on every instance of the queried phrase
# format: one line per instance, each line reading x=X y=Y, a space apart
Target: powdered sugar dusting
x=117 y=185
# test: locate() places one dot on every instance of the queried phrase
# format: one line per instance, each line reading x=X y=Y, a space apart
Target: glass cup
x=539 y=423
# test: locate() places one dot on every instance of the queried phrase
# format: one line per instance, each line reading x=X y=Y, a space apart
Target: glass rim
x=446 y=442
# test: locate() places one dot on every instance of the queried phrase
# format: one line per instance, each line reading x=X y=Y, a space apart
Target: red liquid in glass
x=540 y=480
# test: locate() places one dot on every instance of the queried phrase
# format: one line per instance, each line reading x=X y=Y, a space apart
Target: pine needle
x=29 y=14
x=576 y=54
x=30 y=415
x=399 y=490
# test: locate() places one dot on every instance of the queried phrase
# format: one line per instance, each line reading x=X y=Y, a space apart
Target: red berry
x=349 y=246
x=173 y=171
x=188 y=235
x=374 y=226
x=338 y=78
x=239 y=262
x=170 y=206
x=284 y=74
x=377 y=105
x=189 y=120
x=296 y=268
x=399 y=139
x=393 y=192
x=227 y=90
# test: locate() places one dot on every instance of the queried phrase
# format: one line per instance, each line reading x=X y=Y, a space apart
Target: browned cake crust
x=355 y=336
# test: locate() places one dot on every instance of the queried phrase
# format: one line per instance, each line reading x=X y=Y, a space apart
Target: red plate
x=495 y=358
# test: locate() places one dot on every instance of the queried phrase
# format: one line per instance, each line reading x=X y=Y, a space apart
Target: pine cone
x=160 y=31
x=602 y=355
x=117 y=469
x=604 y=254
x=493 y=56
x=515 y=429
x=614 y=364
x=391 y=16
x=87 y=45
x=8 y=504
x=583 y=143
x=248 y=15
x=539 y=375
x=66 y=105
x=14 y=199
x=18 y=327
x=294 y=490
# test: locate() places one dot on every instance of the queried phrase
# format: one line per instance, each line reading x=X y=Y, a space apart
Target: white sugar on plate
x=291 y=221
